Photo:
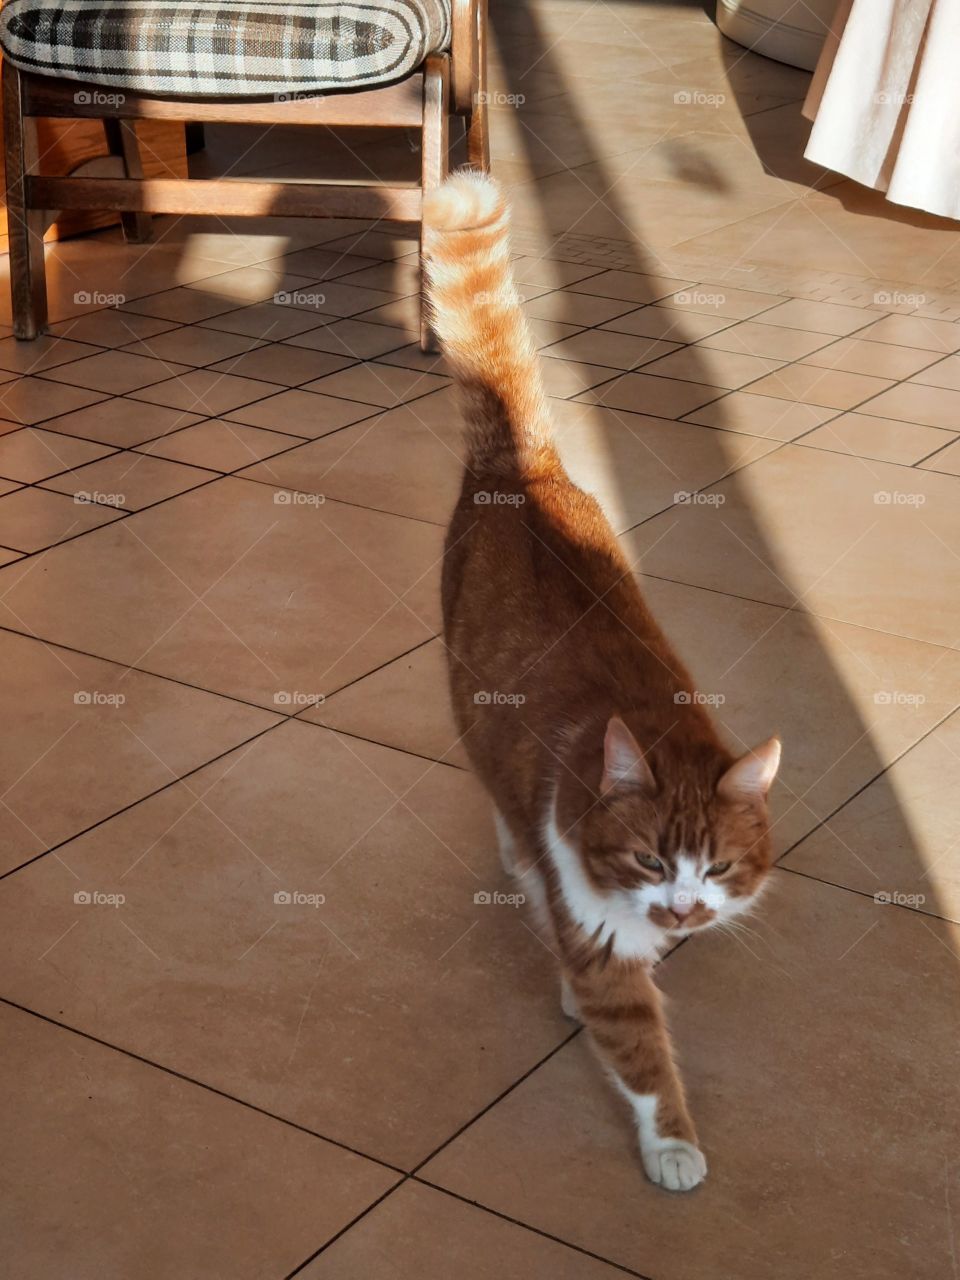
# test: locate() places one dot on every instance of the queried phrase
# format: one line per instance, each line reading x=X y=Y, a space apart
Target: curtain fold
x=885 y=100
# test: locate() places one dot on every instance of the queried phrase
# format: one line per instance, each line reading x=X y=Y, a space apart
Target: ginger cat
x=629 y=821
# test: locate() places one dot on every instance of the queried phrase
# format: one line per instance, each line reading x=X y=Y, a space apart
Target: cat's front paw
x=674 y=1165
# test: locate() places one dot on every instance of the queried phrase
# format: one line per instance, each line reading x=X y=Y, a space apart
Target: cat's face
x=681 y=853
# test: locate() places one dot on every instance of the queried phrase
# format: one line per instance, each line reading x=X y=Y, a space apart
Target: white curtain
x=885 y=100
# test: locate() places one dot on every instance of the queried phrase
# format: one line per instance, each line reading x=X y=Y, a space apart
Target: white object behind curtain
x=885 y=100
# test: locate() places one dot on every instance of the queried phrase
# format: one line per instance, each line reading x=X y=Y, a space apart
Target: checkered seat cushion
x=224 y=48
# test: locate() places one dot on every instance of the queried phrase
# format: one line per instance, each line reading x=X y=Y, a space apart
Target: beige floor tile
x=307 y=413
x=662 y=322
x=220 y=446
x=728 y=369
x=878 y=553
x=205 y=392
x=111 y=328
x=862 y=1161
x=915 y=331
x=565 y=378
x=880 y=438
x=377 y=384
x=32 y=400
x=774 y=342
x=337 y=300
x=396 y=461
x=257 y=631
x=552 y=273
x=265 y=282
x=281 y=363
x=820 y=685
x=946 y=460
x=411 y=357
x=831 y=388
x=818 y=317
x=31 y=519
x=354 y=338
x=575 y=308
x=321 y=263
x=192 y=345
x=264 y=321
x=630 y=286
x=400 y=313
x=45 y=352
x=662 y=397
x=122 y=422
x=761 y=416
x=345 y=1016
x=405 y=705
x=721 y=300
x=546 y=332
x=916 y=863
x=946 y=374
x=879 y=359
x=911 y=402
x=616 y=350
x=183 y=305
x=427 y=1235
x=33 y=454
x=116 y=372
x=93 y=737
x=128 y=480
x=844 y=229
x=101 y=1139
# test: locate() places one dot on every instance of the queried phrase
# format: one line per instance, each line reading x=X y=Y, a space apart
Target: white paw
x=674 y=1165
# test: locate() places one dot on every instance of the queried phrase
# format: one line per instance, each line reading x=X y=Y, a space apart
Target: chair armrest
x=468 y=54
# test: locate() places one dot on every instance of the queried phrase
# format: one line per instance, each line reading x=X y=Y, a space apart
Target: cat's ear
x=749 y=778
x=623 y=762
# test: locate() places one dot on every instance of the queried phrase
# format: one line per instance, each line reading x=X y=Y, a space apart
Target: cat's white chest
x=619 y=916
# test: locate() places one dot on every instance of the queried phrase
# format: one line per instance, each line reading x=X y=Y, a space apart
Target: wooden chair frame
x=446 y=83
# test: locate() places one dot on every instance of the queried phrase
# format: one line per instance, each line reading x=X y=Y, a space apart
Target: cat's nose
x=682 y=909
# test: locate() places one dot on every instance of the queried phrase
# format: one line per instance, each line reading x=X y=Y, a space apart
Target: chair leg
x=478 y=137
x=435 y=160
x=25 y=226
x=122 y=141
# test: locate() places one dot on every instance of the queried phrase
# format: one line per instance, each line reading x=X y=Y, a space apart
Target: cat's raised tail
x=482 y=329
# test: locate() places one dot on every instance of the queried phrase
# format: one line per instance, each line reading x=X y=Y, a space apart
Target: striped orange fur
x=619 y=808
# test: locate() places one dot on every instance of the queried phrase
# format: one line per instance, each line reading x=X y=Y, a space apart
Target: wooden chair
x=450 y=81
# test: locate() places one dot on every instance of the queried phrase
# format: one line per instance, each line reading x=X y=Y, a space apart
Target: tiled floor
x=256 y=1024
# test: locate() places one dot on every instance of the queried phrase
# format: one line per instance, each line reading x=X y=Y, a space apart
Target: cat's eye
x=718 y=868
x=649 y=861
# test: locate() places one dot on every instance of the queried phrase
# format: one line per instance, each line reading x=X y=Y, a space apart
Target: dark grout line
x=862 y=893
x=939 y=449
x=200 y=1084
x=344 y=1229
x=499 y=1098
x=869 y=782
x=546 y=1235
